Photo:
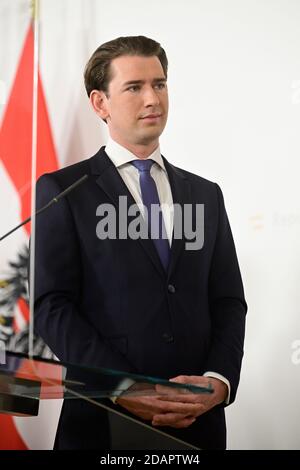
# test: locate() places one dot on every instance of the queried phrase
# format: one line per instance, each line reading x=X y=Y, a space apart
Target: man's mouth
x=151 y=116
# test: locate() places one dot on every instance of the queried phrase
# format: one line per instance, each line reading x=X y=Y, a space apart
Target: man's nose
x=151 y=97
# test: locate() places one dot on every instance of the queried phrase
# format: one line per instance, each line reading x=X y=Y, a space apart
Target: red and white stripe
x=16 y=163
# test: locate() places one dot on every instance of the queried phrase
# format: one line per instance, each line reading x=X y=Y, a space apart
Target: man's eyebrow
x=141 y=82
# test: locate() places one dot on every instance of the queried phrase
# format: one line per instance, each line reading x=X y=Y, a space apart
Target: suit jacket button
x=168 y=338
x=171 y=289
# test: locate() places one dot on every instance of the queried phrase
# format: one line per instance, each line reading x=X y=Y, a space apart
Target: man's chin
x=150 y=135
x=147 y=140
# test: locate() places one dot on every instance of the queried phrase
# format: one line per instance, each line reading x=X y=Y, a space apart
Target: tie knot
x=143 y=165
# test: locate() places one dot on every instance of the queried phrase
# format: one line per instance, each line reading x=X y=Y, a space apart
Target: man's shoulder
x=70 y=173
x=192 y=177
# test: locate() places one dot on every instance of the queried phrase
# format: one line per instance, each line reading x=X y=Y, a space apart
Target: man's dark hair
x=97 y=74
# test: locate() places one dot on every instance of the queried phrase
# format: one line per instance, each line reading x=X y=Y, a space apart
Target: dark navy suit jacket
x=109 y=303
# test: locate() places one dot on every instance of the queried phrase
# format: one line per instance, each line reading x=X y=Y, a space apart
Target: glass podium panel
x=25 y=380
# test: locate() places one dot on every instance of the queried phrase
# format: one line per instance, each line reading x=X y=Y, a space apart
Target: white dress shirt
x=121 y=158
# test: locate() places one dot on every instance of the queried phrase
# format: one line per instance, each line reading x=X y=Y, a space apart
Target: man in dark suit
x=149 y=306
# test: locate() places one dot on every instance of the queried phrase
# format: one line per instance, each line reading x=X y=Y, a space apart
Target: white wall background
x=234 y=84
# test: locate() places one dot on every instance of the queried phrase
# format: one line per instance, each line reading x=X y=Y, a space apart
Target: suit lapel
x=181 y=193
x=110 y=181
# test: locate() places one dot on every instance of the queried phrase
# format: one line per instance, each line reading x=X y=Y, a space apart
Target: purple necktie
x=156 y=225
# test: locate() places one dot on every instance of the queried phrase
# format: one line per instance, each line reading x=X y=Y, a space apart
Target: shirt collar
x=119 y=155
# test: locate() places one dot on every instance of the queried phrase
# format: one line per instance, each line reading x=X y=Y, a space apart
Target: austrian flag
x=16 y=157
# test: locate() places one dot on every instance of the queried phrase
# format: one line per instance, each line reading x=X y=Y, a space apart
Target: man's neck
x=140 y=151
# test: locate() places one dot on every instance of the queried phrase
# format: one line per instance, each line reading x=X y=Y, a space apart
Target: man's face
x=137 y=104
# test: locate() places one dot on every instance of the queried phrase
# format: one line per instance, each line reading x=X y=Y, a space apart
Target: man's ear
x=98 y=101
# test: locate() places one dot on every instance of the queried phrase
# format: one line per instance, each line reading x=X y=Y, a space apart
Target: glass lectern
x=25 y=380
